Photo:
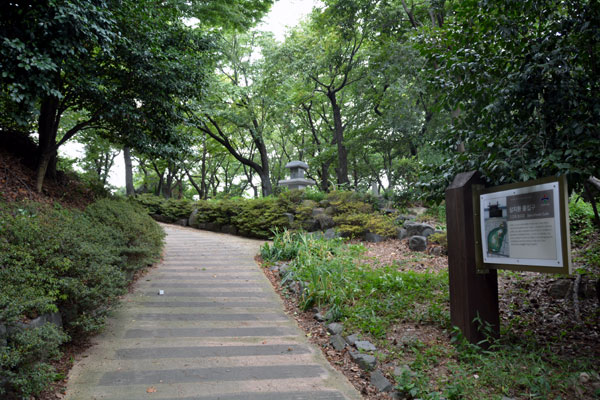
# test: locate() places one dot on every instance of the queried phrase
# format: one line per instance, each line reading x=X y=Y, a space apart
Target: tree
x=117 y=60
x=525 y=78
x=238 y=114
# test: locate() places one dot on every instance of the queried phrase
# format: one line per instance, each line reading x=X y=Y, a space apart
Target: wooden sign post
x=473 y=295
x=521 y=226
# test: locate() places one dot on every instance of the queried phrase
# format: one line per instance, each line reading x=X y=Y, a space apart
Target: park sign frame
x=536 y=213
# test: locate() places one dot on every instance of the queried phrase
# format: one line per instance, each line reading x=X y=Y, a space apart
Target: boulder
x=284 y=269
x=311 y=225
x=365 y=361
x=319 y=317
x=418 y=229
x=193 y=219
x=401 y=233
x=162 y=218
x=230 y=229
x=373 y=237
x=317 y=211
x=417 y=243
x=329 y=211
x=324 y=203
x=331 y=234
x=400 y=219
x=352 y=339
x=337 y=342
x=309 y=204
x=325 y=221
x=380 y=382
x=181 y=222
x=404 y=370
x=290 y=217
x=335 y=328
x=417 y=210
x=365 y=345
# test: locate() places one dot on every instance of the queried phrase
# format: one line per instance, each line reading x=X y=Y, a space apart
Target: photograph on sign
x=522 y=226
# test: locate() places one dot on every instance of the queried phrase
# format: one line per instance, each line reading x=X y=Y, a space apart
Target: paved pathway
x=218 y=332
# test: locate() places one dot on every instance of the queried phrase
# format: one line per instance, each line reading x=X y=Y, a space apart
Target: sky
x=283 y=14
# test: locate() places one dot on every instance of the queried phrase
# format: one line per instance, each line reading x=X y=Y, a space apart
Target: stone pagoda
x=297 y=179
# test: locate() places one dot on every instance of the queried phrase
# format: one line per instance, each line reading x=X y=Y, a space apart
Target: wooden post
x=473 y=295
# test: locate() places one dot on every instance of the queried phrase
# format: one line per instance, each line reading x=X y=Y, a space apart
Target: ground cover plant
x=403 y=308
x=57 y=260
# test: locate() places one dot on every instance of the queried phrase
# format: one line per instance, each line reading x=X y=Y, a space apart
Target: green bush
x=355 y=225
x=76 y=262
x=581 y=216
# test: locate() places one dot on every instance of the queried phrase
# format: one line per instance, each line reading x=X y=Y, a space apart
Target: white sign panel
x=522 y=226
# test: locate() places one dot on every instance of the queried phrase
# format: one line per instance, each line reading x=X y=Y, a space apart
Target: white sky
x=283 y=14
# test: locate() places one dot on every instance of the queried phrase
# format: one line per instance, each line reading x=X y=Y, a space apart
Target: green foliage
x=520 y=87
x=75 y=262
x=368 y=299
x=313 y=194
x=24 y=361
x=581 y=218
x=355 y=225
x=439 y=238
x=259 y=217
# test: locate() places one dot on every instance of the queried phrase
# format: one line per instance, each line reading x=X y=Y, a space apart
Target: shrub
x=76 y=262
x=176 y=208
x=355 y=225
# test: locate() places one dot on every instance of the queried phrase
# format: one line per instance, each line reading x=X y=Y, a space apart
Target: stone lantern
x=297 y=179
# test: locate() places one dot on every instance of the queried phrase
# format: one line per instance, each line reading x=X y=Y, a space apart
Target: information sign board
x=524 y=226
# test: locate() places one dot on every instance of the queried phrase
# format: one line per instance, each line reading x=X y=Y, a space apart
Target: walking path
x=218 y=332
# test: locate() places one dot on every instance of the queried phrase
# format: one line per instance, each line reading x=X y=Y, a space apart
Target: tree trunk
x=129 y=189
x=265 y=183
x=338 y=136
x=325 y=176
x=47 y=128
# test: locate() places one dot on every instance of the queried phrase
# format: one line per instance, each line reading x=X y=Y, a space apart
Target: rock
x=560 y=288
x=365 y=345
x=373 y=237
x=437 y=251
x=401 y=233
x=417 y=243
x=193 y=218
x=290 y=217
x=380 y=382
x=317 y=211
x=417 y=210
x=311 y=225
x=317 y=235
x=181 y=222
x=331 y=234
x=52 y=318
x=584 y=378
x=324 y=203
x=284 y=269
x=404 y=370
x=400 y=219
x=274 y=268
x=329 y=211
x=309 y=204
x=365 y=361
x=388 y=211
x=408 y=340
x=418 y=229
x=335 y=328
x=162 y=218
x=325 y=221
x=352 y=339
x=337 y=342
x=319 y=317
x=230 y=229
x=297 y=287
